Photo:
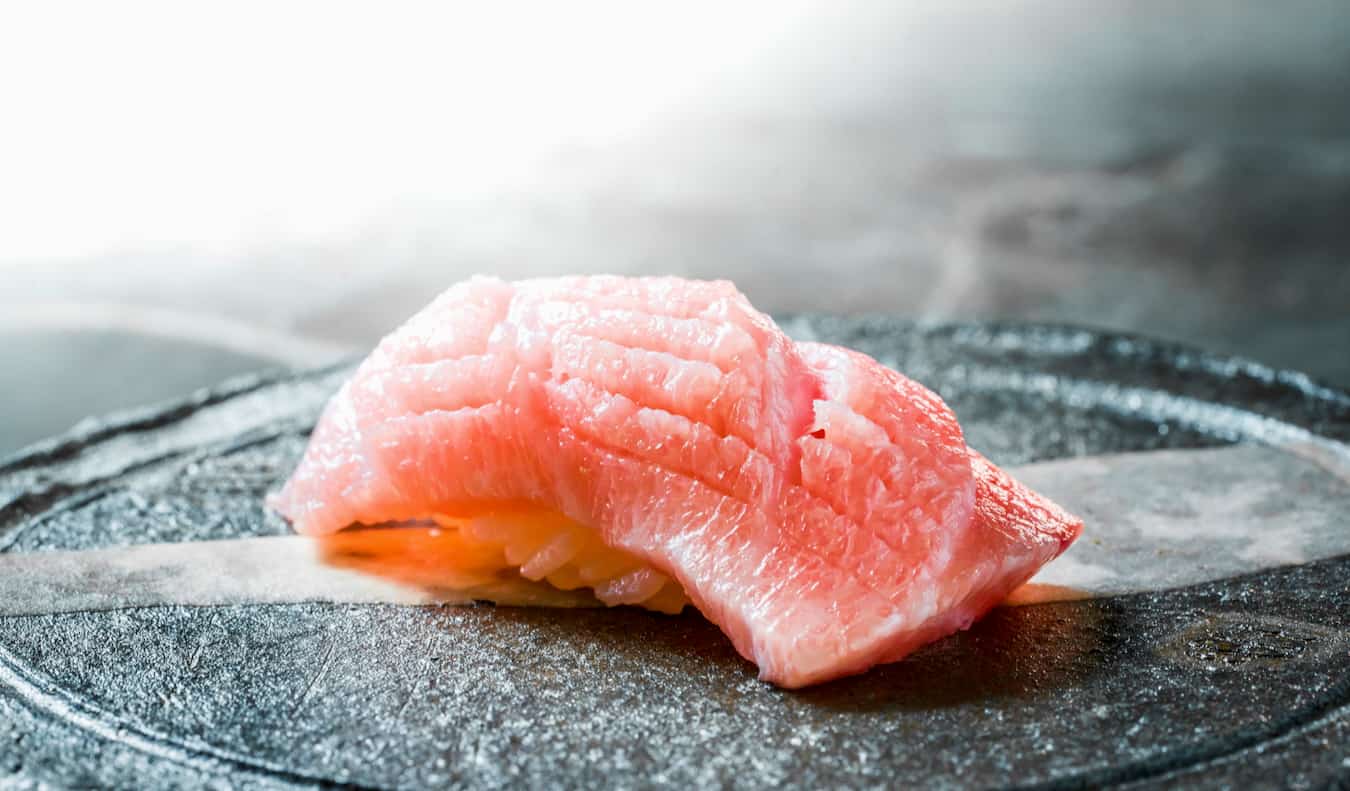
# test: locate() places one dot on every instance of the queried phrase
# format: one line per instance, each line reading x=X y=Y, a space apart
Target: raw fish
x=661 y=442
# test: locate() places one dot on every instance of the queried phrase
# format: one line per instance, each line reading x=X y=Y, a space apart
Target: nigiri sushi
x=662 y=443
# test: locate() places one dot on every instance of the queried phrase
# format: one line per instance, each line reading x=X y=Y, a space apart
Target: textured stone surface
x=1238 y=681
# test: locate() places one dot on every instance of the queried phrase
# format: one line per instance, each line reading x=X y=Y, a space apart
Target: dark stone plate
x=1243 y=682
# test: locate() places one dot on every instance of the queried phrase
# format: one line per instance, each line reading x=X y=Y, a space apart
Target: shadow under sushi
x=1012 y=653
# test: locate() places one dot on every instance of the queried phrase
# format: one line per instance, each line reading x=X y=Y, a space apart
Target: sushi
x=661 y=443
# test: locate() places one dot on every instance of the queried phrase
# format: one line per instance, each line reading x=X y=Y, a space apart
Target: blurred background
x=188 y=193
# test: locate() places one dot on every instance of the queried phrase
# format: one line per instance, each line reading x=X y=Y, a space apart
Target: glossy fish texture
x=823 y=510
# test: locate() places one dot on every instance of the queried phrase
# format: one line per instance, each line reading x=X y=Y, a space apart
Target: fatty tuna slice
x=660 y=441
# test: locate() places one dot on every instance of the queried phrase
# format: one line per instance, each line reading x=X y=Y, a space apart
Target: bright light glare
x=153 y=124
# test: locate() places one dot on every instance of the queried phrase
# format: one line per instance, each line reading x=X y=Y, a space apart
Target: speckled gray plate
x=1243 y=681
